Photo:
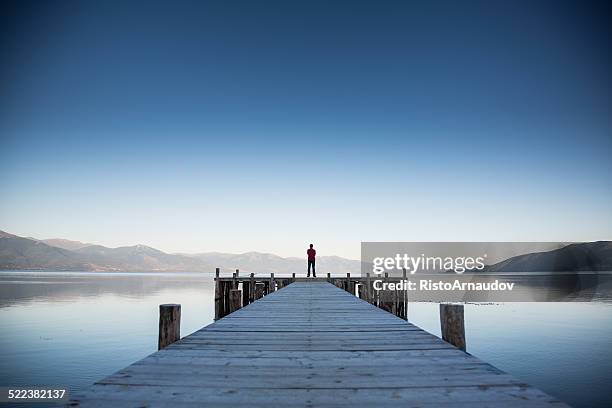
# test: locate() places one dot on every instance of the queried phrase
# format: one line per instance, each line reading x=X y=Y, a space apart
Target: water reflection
x=73 y=329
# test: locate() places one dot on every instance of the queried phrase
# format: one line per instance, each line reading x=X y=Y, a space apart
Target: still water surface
x=71 y=329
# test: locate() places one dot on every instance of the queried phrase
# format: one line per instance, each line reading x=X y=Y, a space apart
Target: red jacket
x=311 y=254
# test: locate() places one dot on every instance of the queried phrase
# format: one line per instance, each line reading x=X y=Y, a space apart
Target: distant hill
x=64 y=243
x=24 y=253
x=18 y=253
x=587 y=256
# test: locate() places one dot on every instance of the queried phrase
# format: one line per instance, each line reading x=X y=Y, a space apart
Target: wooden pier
x=251 y=288
x=310 y=344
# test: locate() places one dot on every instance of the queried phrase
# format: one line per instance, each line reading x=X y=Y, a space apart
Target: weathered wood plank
x=501 y=396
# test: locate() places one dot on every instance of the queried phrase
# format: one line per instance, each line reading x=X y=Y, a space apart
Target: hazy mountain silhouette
x=24 y=253
x=58 y=254
x=587 y=256
x=63 y=243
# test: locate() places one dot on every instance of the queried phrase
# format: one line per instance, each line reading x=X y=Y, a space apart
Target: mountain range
x=20 y=253
x=584 y=256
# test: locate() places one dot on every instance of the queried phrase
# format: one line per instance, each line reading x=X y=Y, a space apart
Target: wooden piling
x=252 y=288
x=368 y=289
x=169 y=325
x=272 y=287
x=452 y=325
x=385 y=300
x=235 y=300
x=259 y=290
x=226 y=287
x=218 y=296
x=396 y=306
x=404 y=297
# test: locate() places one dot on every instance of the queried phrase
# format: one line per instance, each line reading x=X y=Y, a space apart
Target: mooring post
x=293 y=277
x=252 y=288
x=383 y=296
x=259 y=290
x=368 y=289
x=452 y=324
x=396 y=307
x=169 y=325
x=218 y=296
x=236 y=278
x=329 y=277
x=404 y=296
x=226 y=287
x=235 y=300
x=272 y=283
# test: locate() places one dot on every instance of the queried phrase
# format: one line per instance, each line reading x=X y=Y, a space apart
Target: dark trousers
x=313 y=268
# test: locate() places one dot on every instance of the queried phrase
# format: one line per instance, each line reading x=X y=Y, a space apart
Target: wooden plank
x=311 y=344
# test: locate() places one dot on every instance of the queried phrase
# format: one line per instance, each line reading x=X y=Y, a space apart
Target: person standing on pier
x=311 y=261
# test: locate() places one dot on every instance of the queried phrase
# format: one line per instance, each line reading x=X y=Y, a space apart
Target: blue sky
x=194 y=126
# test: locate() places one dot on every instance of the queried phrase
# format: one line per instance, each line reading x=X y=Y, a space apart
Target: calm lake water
x=71 y=329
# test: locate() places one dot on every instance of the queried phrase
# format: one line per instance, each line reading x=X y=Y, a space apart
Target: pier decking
x=311 y=344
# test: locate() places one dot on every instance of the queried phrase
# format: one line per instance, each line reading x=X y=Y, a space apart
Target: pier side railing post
x=452 y=325
x=396 y=307
x=385 y=297
x=235 y=300
x=272 y=283
x=404 y=296
x=169 y=325
x=368 y=288
x=259 y=290
x=218 y=296
x=226 y=287
x=252 y=288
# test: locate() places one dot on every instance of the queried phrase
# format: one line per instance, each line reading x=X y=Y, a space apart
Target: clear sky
x=239 y=126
